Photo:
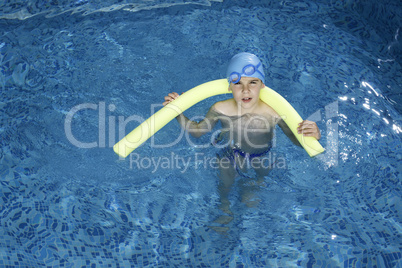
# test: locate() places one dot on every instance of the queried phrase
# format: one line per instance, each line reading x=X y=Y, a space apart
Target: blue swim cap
x=244 y=64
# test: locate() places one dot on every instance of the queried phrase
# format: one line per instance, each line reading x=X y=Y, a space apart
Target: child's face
x=247 y=91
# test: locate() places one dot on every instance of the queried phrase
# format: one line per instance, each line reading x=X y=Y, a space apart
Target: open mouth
x=246 y=99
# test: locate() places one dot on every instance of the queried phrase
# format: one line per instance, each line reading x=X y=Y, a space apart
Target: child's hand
x=170 y=97
x=309 y=129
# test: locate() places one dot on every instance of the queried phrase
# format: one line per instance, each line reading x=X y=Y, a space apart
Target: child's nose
x=246 y=88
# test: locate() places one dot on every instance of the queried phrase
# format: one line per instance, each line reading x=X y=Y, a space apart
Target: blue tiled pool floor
x=64 y=206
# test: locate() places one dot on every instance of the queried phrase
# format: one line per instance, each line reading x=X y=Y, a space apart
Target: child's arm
x=307 y=128
x=196 y=129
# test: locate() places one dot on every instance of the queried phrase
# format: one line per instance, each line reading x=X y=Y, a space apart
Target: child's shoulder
x=224 y=107
x=266 y=109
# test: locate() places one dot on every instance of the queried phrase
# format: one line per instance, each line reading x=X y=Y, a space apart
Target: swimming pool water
x=336 y=62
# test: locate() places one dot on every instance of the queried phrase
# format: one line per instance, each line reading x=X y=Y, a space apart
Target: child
x=247 y=124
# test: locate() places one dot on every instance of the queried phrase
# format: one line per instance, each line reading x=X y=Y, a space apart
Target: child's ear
x=229 y=88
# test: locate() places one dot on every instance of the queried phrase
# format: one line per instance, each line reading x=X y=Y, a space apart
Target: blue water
x=336 y=62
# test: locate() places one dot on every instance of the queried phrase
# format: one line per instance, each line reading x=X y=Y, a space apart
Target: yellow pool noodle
x=217 y=87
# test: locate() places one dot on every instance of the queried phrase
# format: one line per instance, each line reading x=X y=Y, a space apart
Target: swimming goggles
x=248 y=70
